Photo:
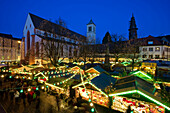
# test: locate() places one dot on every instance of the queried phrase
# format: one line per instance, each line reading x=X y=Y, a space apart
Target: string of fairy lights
x=91 y=103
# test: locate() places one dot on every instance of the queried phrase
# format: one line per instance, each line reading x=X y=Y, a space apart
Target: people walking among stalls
x=29 y=98
x=16 y=96
x=34 y=96
x=11 y=92
x=58 y=102
x=24 y=98
x=38 y=104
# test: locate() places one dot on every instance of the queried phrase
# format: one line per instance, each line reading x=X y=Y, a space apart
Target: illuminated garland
x=143 y=74
x=137 y=91
x=91 y=104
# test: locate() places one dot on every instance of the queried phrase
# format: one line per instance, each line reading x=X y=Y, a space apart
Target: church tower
x=133 y=29
x=91 y=32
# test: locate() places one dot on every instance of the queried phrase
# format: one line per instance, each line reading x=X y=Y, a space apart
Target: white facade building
x=33 y=35
x=156 y=48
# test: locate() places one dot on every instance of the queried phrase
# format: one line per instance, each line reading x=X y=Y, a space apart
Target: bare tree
x=133 y=50
x=53 y=41
x=118 y=46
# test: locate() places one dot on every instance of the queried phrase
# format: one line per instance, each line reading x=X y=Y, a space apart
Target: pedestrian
x=38 y=105
x=11 y=93
x=34 y=96
x=29 y=98
x=0 y=83
x=58 y=102
x=24 y=97
x=16 y=96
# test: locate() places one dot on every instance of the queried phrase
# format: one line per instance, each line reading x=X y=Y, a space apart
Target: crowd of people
x=21 y=91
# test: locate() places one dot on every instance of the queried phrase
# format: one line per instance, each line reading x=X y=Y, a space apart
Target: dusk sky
x=152 y=16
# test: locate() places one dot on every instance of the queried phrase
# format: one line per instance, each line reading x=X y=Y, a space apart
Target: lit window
x=144 y=56
x=156 y=56
x=150 y=42
x=144 y=49
x=157 y=49
x=150 y=49
x=150 y=56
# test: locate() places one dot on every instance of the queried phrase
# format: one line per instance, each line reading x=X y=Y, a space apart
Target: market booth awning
x=99 y=82
x=96 y=69
x=131 y=86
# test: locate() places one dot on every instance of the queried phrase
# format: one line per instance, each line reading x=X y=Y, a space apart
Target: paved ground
x=2 y=110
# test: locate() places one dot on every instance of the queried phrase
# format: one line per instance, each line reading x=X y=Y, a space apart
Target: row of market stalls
x=97 y=86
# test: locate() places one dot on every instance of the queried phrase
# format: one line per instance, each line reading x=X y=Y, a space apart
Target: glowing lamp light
x=29 y=89
x=29 y=77
x=89 y=100
x=36 y=88
x=10 y=76
x=2 y=76
x=42 y=87
x=92 y=109
x=58 y=83
x=91 y=104
x=21 y=91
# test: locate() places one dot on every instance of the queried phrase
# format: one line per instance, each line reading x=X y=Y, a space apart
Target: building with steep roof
x=155 y=47
x=36 y=31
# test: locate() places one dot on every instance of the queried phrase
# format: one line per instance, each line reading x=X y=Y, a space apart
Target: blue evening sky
x=152 y=16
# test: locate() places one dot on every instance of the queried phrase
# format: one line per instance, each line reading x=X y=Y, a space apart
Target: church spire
x=133 y=29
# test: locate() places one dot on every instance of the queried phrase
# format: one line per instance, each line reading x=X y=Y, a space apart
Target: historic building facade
x=156 y=48
x=10 y=48
x=34 y=34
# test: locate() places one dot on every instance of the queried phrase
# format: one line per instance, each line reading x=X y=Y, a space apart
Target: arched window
x=70 y=51
x=28 y=41
x=62 y=51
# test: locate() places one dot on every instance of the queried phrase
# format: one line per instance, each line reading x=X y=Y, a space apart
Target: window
x=144 y=56
x=90 y=28
x=150 y=56
x=62 y=51
x=18 y=46
x=156 y=56
x=37 y=49
x=94 y=29
x=150 y=42
x=166 y=49
x=70 y=52
x=157 y=48
x=150 y=49
x=144 y=49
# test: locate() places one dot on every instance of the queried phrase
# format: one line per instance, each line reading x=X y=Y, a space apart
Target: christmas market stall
x=95 y=86
x=143 y=75
x=136 y=94
x=64 y=78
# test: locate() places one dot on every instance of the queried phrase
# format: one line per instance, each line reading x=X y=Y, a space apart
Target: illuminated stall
x=137 y=93
x=149 y=67
x=96 y=87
